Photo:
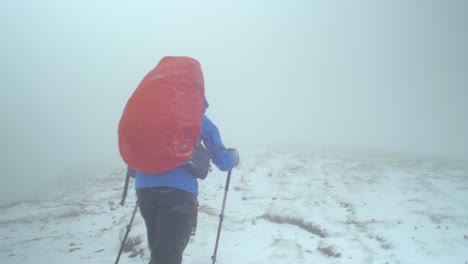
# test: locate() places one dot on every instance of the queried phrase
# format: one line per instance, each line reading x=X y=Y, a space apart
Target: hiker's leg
x=177 y=218
x=148 y=203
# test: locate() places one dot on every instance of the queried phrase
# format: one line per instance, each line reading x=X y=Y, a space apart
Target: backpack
x=161 y=122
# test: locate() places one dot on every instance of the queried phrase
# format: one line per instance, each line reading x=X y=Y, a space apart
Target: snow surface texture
x=282 y=207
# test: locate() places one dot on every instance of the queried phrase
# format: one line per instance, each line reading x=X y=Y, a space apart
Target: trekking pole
x=221 y=216
x=129 y=227
x=130 y=173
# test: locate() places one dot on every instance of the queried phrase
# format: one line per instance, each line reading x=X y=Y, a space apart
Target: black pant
x=170 y=216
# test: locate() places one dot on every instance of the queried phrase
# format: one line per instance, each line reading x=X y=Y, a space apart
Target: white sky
x=383 y=74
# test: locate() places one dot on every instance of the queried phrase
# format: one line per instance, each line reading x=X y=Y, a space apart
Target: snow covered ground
x=283 y=207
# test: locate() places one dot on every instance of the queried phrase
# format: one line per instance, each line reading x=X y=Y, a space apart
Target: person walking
x=168 y=201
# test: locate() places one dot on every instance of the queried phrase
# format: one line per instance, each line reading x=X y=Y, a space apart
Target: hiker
x=168 y=201
x=168 y=141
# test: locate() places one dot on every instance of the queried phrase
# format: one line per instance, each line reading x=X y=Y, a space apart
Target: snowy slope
x=282 y=207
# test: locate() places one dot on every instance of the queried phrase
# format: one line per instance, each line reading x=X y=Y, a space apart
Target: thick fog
x=388 y=75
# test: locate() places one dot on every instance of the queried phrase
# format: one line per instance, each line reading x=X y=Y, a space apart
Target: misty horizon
x=386 y=75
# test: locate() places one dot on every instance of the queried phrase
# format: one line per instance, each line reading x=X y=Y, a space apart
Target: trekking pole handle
x=130 y=173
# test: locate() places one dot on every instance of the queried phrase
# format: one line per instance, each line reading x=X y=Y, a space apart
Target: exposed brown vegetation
x=309 y=227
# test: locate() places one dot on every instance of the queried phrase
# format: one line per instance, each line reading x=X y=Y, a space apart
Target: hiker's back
x=161 y=122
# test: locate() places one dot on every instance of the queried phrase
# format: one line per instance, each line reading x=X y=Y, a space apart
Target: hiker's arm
x=221 y=157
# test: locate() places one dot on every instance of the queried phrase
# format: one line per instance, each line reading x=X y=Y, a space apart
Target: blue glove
x=234 y=152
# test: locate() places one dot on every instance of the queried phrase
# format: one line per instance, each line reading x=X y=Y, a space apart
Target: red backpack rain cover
x=161 y=122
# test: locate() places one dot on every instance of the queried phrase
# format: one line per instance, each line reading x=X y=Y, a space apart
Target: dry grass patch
x=309 y=227
x=329 y=251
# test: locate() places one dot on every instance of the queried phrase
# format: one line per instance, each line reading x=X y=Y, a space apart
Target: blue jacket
x=180 y=178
